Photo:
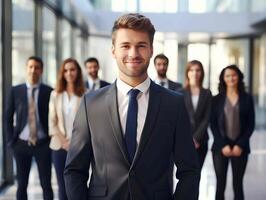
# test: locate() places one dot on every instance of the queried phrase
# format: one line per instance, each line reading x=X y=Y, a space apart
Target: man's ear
x=151 y=51
x=113 y=51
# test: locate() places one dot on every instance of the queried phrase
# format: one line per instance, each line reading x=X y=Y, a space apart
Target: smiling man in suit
x=28 y=136
x=130 y=131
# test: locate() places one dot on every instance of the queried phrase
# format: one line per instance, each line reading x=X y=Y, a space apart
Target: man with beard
x=130 y=131
x=92 y=68
x=28 y=135
x=161 y=65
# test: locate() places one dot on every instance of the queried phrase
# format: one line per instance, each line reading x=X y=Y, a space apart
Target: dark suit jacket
x=174 y=85
x=199 y=118
x=102 y=84
x=247 y=122
x=98 y=140
x=18 y=104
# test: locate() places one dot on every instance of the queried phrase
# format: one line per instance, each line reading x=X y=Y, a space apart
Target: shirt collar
x=96 y=81
x=32 y=86
x=124 y=87
x=159 y=80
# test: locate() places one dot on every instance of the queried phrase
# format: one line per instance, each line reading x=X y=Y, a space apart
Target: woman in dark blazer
x=232 y=123
x=198 y=104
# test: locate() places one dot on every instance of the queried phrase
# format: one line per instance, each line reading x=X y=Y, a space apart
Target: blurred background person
x=93 y=82
x=232 y=123
x=28 y=136
x=198 y=104
x=161 y=65
x=64 y=102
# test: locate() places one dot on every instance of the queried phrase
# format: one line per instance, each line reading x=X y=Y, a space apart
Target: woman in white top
x=198 y=103
x=64 y=102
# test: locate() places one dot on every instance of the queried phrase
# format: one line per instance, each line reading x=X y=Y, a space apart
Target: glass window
x=124 y=5
x=80 y=49
x=169 y=6
x=200 y=51
x=22 y=37
x=66 y=39
x=49 y=47
x=259 y=81
x=226 y=52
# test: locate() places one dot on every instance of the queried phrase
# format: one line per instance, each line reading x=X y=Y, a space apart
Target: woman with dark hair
x=64 y=102
x=232 y=123
x=198 y=104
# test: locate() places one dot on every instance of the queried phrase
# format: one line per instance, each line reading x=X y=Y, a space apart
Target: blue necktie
x=131 y=124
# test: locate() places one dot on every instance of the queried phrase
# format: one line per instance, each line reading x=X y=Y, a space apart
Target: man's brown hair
x=136 y=22
x=161 y=56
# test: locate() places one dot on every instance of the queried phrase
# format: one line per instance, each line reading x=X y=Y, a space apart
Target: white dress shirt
x=142 y=98
x=195 y=99
x=25 y=134
x=96 y=82
x=159 y=81
x=69 y=104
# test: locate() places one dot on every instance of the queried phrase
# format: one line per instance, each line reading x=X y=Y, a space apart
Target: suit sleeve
x=53 y=119
x=243 y=140
x=76 y=172
x=185 y=158
x=219 y=140
x=9 y=118
x=201 y=129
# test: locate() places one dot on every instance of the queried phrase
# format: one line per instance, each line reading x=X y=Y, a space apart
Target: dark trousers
x=59 y=160
x=238 y=169
x=202 y=152
x=23 y=154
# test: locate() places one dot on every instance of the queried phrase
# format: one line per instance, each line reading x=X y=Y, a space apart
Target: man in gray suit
x=161 y=65
x=130 y=131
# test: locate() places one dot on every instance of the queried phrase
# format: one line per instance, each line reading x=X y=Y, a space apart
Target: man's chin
x=162 y=75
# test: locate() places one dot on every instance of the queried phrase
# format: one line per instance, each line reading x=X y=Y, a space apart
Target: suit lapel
x=101 y=84
x=190 y=107
x=59 y=102
x=153 y=108
x=112 y=106
x=24 y=96
x=87 y=84
x=41 y=92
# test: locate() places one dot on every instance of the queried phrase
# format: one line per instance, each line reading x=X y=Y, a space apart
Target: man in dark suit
x=131 y=130
x=28 y=135
x=92 y=68
x=161 y=65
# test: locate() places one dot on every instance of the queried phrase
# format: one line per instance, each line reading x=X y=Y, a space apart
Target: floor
x=254 y=182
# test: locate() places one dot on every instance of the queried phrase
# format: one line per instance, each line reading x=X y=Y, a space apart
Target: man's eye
x=142 y=46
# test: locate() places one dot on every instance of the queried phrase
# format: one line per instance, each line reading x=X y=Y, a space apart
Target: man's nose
x=133 y=52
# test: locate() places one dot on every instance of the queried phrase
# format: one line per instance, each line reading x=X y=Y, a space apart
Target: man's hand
x=65 y=144
x=196 y=144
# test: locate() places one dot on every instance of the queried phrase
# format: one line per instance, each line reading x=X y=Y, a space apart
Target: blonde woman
x=64 y=102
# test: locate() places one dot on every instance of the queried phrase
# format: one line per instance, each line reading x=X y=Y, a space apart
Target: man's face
x=33 y=71
x=92 y=69
x=132 y=51
x=161 y=67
